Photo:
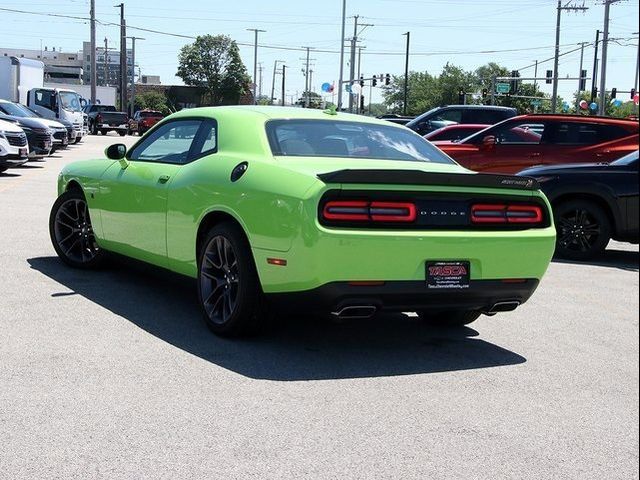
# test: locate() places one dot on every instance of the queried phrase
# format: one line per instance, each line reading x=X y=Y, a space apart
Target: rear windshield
x=327 y=138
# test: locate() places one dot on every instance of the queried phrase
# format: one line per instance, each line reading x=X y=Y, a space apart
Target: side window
x=449 y=116
x=524 y=133
x=207 y=141
x=484 y=117
x=171 y=143
x=575 y=133
x=44 y=98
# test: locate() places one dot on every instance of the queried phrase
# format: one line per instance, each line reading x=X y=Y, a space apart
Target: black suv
x=451 y=114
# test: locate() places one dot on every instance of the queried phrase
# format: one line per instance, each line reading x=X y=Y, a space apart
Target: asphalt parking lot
x=112 y=374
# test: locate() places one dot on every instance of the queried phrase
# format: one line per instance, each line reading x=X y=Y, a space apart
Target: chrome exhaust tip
x=498 y=307
x=355 y=311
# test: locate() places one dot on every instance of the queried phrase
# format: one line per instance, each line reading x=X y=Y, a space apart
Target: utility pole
x=273 y=82
x=260 y=70
x=92 y=74
x=556 y=59
x=306 y=80
x=255 y=62
x=340 y=79
x=603 y=62
x=310 y=84
x=580 y=75
x=123 y=59
x=352 y=63
x=535 y=75
x=406 y=76
x=635 y=81
x=106 y=62
x=594 y=77
x=132 y=109
x=360 y=60
x=283 y=83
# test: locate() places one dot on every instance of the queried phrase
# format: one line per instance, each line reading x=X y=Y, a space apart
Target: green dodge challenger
x=274 y=208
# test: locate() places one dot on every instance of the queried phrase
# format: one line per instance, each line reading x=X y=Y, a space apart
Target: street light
x=255 y=62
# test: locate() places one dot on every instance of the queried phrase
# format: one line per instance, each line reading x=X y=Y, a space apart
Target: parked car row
x=586 y=165
x=25 y=134
x=105 y=118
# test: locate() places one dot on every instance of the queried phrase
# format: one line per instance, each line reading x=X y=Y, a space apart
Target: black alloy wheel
x=583 y=230
x=228 y=287
x=71 y=231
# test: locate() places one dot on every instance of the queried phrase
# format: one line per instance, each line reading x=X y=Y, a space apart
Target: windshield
x=627 y=159
x=13 y=109
x=326 y=138
x=28 y=112
x=70 y=101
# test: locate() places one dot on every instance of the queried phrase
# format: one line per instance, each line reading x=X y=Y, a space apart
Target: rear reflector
x=363 y=211
x=500 y=213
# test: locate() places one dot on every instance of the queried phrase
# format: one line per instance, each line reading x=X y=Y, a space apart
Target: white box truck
x=22 y=81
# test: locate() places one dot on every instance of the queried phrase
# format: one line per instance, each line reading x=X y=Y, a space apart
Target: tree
x=213 y=63
x=377 y=109
x=153 y=100
x=315 y=100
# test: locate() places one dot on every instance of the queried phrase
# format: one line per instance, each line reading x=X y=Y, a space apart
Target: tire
x=3 y=169
x=103 y=132
x=70 y=216
x=122 y=133
x=93 y=129
x=449 y=318
x=583 y=229
x=229 y=291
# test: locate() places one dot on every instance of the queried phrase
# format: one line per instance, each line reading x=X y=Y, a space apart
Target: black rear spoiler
x=413 y=177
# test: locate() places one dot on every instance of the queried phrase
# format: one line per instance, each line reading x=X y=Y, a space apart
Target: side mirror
x=83 y=102
x=488 y=143
x=117 y=151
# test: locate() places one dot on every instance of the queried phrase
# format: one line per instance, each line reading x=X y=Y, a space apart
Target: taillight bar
x=364 y=211
x=500 y=213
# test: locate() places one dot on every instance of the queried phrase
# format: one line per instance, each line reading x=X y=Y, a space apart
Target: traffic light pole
x=406 y=76
x=580 y=75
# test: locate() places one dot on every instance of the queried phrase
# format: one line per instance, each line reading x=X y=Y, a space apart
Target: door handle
x=164 y=178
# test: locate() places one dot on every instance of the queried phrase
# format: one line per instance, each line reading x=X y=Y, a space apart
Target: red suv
x=531 y=140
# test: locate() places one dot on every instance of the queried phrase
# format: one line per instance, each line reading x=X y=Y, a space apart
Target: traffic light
x=583 y=80
x=461 y=96
x=485 y=92
x=549 y=77
x=614 y=92
x=515 y=83
x=387 y=79
x=361 y=81
x=374 y=81
x=633 y=93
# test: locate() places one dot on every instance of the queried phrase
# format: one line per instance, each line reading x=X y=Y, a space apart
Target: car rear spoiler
x=413 y=177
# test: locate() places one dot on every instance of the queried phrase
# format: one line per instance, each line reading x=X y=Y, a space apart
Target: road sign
x=503 y=88
x=536 y=103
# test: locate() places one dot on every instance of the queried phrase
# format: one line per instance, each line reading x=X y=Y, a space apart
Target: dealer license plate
x=23 y=152
x=448 y=274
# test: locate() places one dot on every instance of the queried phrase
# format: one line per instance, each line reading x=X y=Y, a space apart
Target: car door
x=513 y=146
x=133 y=200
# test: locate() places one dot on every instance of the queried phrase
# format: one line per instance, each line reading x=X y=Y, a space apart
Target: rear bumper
x=405 y=296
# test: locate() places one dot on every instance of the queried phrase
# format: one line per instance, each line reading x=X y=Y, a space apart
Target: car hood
x=51 y=123
x=314 y=166
x=565 y=169
x=27 y=122
x=9 y=126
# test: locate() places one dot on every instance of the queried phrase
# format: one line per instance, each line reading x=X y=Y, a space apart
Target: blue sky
x=441 y=31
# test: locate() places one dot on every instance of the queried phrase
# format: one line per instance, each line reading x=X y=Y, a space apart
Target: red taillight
x=363 y=211
x=500 y=213
x=99 y=118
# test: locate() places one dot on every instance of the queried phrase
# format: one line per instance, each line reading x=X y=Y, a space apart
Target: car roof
x=483 y=107
x=575 y=118
x=279 y=113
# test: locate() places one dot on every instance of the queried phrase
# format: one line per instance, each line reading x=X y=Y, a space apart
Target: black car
x=442 y=116
x=592 y=203
x=38 y=135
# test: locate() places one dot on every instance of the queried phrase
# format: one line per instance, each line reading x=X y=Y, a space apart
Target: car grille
x=70 y=132
x=39 y=140
x=60 y=134
x=16 y=139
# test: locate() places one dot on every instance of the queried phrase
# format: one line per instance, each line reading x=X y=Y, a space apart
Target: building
x=59 y=66
x=107 y=65
x=184 y=96
x=149 y=79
